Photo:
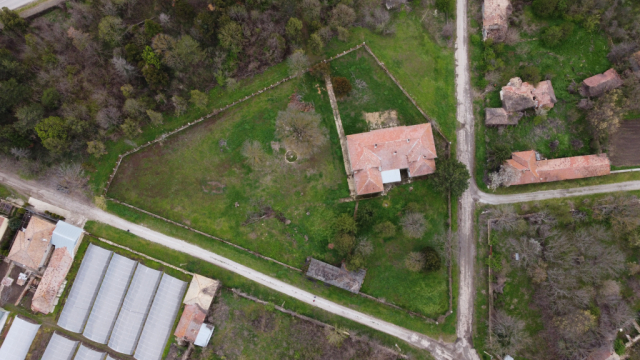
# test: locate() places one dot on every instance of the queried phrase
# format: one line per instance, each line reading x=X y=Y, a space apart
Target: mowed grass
x=581 y=55
x=377 y=92
x=200 y=178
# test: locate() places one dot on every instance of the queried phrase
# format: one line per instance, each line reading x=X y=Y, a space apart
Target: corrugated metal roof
x=60 y=348
x=18 y=341
x=66 y=235
x=84 y=353
x=206 y=331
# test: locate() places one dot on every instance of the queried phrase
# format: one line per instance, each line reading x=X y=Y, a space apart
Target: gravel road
x=440 y=350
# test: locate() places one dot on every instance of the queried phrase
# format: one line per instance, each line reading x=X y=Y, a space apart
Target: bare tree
x=509 y=334
x=301 y=131
x=505 y=177
x=126 y=70
x=20 y=153
x=415 y=261
x=298 y=63
x=529 y=250
x=108 y=116
x=364 y=247
x=71 y=176
x=414 y=225
x=252 y=150
x=504 y=218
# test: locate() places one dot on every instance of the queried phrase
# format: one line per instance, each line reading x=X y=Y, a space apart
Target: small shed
x=337 y=276
x=204 y=335
x=18 y=341
x=597 y=85
x=500 y=116
x=495 y=19
x=68 y=236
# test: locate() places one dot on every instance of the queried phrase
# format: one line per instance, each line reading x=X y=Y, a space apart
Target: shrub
x=414 y=225
x=199 y=99
x=414 y=261
x=544 y=8
x=364 y=248
x=385 y=229
x=344 y=243
x=155 y=117
x=320 y=70
x=556 y=35
x=530 y=74
x=151 y=29
x=432 y=260
x=294 y=29
x=341 y=86
x=345 y=224
x=96 y=148
x=446 y=6
x=316 y=44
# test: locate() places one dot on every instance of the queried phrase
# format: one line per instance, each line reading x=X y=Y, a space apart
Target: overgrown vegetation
x=564 y=276
x=565 y=42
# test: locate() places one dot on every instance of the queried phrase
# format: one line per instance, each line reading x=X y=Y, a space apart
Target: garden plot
x=625 y=149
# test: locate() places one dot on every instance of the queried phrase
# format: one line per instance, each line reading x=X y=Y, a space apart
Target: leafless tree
x=528 y=249
x=509 y=334
x=126 y=70
x=20 y=153
x=298 y=63
x=256 y=156
x=364 y=247
x=415 y=261
x=504 y=218
x=300 y=131
x=71 y=176
x=414 y=225
x=506 y=176
x=108 y=117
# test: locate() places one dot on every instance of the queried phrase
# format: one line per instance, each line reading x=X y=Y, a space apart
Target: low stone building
x=531 y=168
x=495 y=19
x=599 y=84
x=518 y=95
x=337 y=276
x=500 y=116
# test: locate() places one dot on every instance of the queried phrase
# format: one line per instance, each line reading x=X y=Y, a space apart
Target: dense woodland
x=574 y=283
x=99 y=70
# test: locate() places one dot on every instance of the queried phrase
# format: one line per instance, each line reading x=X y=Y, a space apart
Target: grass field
x=565 y=131
x=232 y=280
x=193 y=160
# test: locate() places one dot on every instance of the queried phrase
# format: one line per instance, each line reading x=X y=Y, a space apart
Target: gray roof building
x=337 y=276
x=18 y=341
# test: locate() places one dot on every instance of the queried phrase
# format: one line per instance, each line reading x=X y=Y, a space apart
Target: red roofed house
x=378 y=156
x=532 y=169
x=495 y=19
x=31 y=246
x=597 y=85
x=44 y=300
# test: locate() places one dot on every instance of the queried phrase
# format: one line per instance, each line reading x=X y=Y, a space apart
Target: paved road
x=440 y=351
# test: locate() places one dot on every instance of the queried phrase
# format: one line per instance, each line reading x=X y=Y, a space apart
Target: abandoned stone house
x=336 y=276
x=518 y=95
x=377 y=157
x=532 y=168
x=599 y=84
x=495 y=19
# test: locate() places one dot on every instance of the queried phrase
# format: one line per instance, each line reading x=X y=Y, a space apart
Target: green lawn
x=565 y=131
x=378 y=93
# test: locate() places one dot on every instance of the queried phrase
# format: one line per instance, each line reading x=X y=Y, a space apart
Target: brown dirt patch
x=381 y=119
x=214 y=187
x=39 y=343
x=295 y=102
x=625 y=145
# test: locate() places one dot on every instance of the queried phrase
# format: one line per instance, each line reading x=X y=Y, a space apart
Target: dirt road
x=465 y=153
x=440 y=351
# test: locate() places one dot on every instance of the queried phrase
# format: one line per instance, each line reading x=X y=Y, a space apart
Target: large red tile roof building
x=532 y=169
x=378 y=156
x=45 y=297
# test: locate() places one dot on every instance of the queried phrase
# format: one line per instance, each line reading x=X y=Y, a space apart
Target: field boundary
x=313 y=321
x=224 y=108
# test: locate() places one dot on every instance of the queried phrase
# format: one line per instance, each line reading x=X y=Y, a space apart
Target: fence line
x=216 y=112
x=431 y=121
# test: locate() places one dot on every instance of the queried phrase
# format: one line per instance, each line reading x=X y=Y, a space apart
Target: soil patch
x=295 y=102
x=625 y=145
x=381 y=119
x=214 y=187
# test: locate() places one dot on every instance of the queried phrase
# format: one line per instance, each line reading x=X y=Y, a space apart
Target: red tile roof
x=190 y=322
x=57 y=270
x=537 y=171
x=601 y=83
x=402 y=147
x=31 y=247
